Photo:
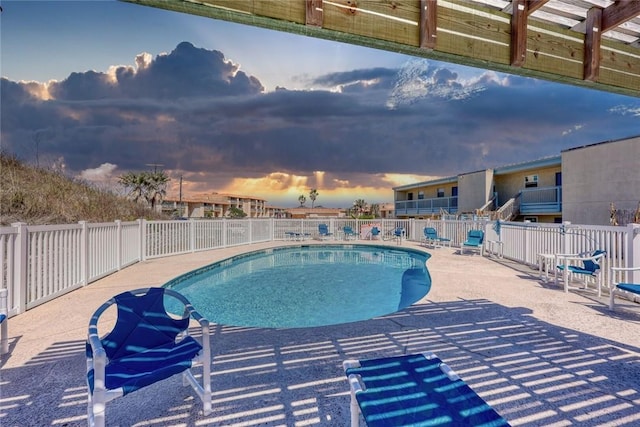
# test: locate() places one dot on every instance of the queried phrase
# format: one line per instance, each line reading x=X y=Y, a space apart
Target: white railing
x=40 y=263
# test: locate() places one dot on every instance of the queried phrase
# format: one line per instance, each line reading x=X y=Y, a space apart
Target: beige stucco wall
x=595 y=176
x=474 y=190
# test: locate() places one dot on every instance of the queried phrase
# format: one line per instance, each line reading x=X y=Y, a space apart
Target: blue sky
x=104 y=87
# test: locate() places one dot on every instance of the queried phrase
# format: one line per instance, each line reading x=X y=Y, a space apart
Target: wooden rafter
x=428 y=23
x=592 y=41
x=618 y=13
x=519 y=17
x=601 y=20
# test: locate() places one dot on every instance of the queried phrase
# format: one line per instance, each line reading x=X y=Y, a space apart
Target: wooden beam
x=592 y=40
x=478 y=40
x=519 y=17
x=314 y=13
x=428 y=23
x=619 y=13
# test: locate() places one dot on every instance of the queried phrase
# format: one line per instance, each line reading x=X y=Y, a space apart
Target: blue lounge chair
x=475 y=241
x=145 y=346
x=349 y=233
x=431 y=238
x=621 y=288
x=590 y=268
x=414 y=390
x=4 y=322
x=323 y=231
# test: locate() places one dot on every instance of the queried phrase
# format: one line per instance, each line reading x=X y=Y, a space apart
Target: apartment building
x=579 y=185
x=218 y=205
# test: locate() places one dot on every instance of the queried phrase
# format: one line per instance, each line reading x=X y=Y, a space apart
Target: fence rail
x=40 y=263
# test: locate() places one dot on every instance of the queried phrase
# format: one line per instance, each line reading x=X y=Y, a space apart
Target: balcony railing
x=427 y=206
x=541 y=200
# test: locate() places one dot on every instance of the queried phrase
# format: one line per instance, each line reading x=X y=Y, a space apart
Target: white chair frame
x=617 y=291
x=571 y=259
x=96 y=405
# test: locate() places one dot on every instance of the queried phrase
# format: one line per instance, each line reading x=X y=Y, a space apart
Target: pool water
x=305 y=286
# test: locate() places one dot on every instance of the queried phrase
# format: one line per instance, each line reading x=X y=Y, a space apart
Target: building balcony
x=427 y=206
x=546 y=200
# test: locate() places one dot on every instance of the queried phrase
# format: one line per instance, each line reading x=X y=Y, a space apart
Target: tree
x=235 y=212
x=360 y=206
x=374 y=210
x=302 y=200
x=313 y=195
x=148 y=186
x=156 y=187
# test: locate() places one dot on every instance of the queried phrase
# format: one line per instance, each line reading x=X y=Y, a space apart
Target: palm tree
x=360 y=206
x=313 y=195
x=302 y=200
x=374 y=210
x=134 y=184
x=148 y=186
x=156 y=187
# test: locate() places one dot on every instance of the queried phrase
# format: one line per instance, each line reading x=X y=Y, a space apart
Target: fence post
x=20 y=268
x=119 y=244
x=84 y=255
x=526 y=240
x=142 y=238
x=224 y=232
x=633 y=251
x=565 y=238
x=192 y=235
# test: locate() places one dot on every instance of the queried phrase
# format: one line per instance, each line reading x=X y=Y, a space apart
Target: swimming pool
x=305 y=286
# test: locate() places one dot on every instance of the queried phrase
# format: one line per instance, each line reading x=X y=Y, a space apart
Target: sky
x=100 y=88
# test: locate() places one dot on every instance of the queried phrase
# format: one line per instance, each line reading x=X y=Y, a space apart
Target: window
x=558 y=179
x=530 y=181
x=420 y=195
x=440 y=192
x=531 y=218
x=454 y=191
x=409 y=196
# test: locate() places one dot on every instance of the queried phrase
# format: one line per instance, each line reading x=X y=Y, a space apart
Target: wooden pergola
x=589 y=43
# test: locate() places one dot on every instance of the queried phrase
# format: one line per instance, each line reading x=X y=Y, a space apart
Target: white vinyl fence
x=40 y=263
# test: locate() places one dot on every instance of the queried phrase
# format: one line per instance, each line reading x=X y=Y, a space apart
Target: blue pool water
x=306 y=286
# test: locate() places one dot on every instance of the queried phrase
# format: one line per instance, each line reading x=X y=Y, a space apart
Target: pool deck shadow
x=538 y=355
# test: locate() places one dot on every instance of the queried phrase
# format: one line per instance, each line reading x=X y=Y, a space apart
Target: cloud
x=365 y=130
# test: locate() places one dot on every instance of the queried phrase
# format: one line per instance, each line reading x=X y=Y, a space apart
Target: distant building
x=218 y=205
x=578 y=186
x=316 y=212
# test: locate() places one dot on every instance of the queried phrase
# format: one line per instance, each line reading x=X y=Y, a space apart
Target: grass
x=39 y=196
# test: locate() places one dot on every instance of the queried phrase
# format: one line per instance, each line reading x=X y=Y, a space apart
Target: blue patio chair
x=414 y=390
x=398 y=234
x=620 y=288
x=4 y=322
x=323 y=231
x=146 y=345
x=590 y=268
x=475 y=241
x=349 y=233
x=375 y=232
x=431 y=238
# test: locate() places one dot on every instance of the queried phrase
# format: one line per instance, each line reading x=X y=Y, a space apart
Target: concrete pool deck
x=538 y=355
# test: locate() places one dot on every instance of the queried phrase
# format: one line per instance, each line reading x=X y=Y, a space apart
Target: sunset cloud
x=357 y=134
